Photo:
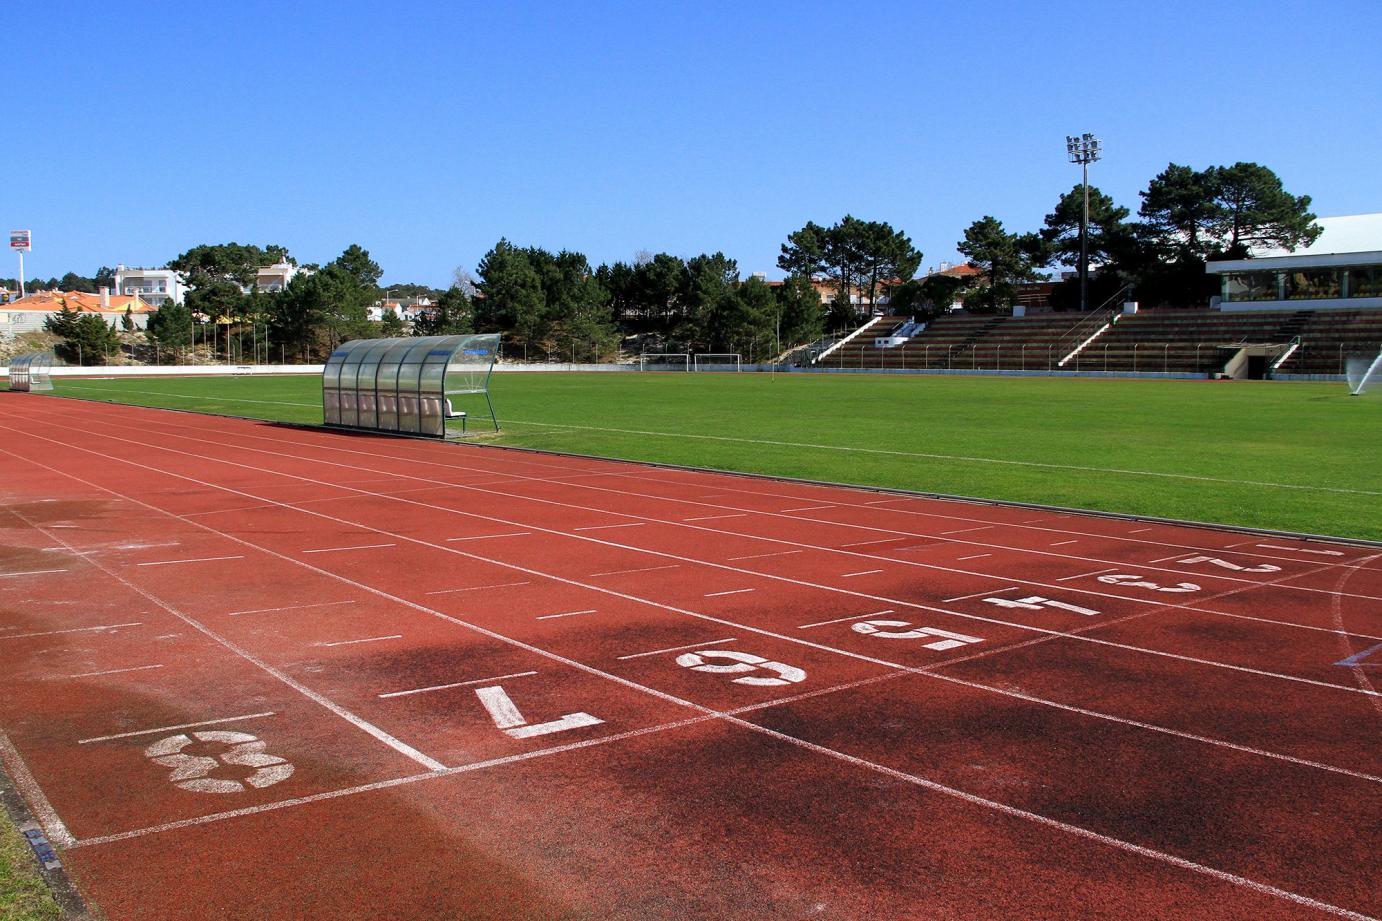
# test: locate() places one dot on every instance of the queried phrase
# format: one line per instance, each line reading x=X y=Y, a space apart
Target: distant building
x=406 y=309
x=276 y=277
x=27 y=314
x=153 y=286
x=1341 y=269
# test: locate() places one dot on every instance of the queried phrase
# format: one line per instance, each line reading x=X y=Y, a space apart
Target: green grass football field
x=1291 y=456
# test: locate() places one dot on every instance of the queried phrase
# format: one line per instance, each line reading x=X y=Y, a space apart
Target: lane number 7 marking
x=507 y=717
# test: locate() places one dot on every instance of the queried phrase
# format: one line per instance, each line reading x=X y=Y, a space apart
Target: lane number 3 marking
x=1138 y=582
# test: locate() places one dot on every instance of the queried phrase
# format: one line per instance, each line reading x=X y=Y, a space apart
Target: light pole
x=1083 y=150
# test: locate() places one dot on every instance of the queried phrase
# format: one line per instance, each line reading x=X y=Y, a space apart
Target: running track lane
x=1028 y=829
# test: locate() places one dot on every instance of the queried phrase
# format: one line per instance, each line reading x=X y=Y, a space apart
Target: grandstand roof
x=1349 y=239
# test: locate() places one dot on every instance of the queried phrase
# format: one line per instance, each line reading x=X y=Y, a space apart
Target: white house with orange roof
x=27 y=314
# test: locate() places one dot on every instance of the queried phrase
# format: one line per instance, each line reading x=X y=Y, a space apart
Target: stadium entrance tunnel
x=406 y=385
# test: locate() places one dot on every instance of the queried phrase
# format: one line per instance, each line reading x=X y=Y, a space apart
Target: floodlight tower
x=1084 y=150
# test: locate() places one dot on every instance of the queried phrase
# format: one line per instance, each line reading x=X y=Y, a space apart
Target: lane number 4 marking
x=1036 y=603
x=507 y=717
x=1215 y=561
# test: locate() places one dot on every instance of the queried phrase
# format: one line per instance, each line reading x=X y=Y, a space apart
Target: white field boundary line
x=185 y=396
x=954 y=457
x=896 y=533
x=1248 y=583
x=753 y=727
x=1046 y=634
x=947 y=517
x=356 y=721
x=1155 y=604
x=44 y=813
x=454 y=684
x=1360 y=675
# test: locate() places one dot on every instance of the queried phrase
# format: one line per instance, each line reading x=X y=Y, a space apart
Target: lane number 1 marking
x=507 y=717
x=947 y=639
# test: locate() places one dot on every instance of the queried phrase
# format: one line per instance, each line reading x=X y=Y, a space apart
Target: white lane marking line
x=653 y=652
x=892 y=499
x=456 y=684
x=698 y=615
x=987 y=591
x=1085 y=575
x=566 y=614
x=620 y=572
x=368 y=639
x=32 y=572
x=840 y=620
x=1062 y=543
x=22 y=636
x=476 y=588
x=977 y=556
x=1241 y=543
x=759 y=556
x=290 y=607
x=355 y=547
x=145 y=732
x=601 y=527
x=982 y=527
x=204 y=559
x=491 y=536
x=716 y=517
x=866 y=572
x=1039 y=819
x=733 y=591
x=112 y=671
x=807 y=508
x=881 y=540
x=665 y=696
x=1139 y=530
x=365 y=726
x=43 y=810
x=1165 y=558
x=1301 y=550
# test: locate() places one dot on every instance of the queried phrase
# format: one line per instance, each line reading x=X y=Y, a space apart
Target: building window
x=1365 y=282
x=1313 y=284
x=1250 y=286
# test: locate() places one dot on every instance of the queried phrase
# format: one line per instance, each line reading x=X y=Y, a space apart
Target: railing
x=1099 y=320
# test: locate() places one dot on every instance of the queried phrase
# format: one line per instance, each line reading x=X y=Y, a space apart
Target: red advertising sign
x=20 y=239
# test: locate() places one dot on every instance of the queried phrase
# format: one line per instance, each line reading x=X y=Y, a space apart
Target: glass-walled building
x=1341 y=269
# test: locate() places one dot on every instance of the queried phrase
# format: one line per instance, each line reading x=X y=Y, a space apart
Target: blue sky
x=425 y=131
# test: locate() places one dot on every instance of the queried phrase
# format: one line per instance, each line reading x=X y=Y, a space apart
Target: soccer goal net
x=717 y=361
x=664 y=361
x=1364 y=374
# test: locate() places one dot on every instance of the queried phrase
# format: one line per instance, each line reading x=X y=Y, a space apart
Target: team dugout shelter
x=30 y=372
x=407 y=385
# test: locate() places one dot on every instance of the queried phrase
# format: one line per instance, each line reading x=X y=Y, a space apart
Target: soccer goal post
x=717 y=361
x=664 y=361
x=1364 y=374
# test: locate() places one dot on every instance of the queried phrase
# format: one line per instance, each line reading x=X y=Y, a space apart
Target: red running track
x=252 y=671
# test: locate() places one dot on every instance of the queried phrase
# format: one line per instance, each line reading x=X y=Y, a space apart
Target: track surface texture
x=254 y=672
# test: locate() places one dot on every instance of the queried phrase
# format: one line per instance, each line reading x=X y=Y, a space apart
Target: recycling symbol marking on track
x=190 y=771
